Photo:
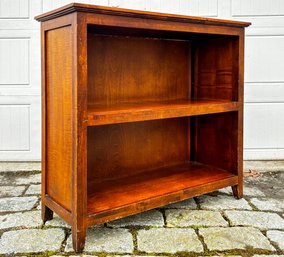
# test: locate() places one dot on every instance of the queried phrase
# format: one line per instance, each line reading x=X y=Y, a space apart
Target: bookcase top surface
x=88 y=8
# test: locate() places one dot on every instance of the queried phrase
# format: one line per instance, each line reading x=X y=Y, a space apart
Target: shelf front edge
x=144 y=113
x=157 y=201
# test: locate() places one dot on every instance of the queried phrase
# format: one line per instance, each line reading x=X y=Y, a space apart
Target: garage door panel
x=257 y=7
x=14 y=130
x=264 y=92
x=19 y=14
x=264 y=56
x=14 y=62
x=207 y=8
x=264 y=123
x=14 y=9
x=20 y=130
x=20 y=62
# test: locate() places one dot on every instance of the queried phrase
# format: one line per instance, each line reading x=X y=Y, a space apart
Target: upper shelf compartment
x=138 y=76
x=101 y=115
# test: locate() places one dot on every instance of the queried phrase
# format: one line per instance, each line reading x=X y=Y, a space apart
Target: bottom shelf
x=155 y=188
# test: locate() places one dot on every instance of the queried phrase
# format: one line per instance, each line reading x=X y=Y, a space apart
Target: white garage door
x=264 y=69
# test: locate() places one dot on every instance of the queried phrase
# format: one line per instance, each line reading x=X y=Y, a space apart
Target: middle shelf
x=102 y=115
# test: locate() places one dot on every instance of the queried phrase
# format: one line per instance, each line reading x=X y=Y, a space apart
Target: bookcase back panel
x=216 y=140
x=126 y=149
x=216 y=66
x=130 y=69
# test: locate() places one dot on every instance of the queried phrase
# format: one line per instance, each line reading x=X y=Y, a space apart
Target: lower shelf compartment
x=155 y=188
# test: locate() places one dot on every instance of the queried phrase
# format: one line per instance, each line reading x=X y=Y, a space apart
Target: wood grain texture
x=151 y=184
x=101 y=115
x=137 y=69
x=122 y=150
x=216 y=76
x=130 y=209
x=88 y=8
x=216 y=140
x=79 y=175
x=59 y=115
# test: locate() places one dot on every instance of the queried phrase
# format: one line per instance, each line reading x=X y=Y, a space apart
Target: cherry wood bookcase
x=139 y=110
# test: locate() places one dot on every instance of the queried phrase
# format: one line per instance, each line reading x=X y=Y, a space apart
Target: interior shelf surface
x=111 y=194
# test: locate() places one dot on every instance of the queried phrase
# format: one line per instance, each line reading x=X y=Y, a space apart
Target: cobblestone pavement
x=215 y=224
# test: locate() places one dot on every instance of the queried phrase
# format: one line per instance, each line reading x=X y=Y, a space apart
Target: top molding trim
x=78 y=7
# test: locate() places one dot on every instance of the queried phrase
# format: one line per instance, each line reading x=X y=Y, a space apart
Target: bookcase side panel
x=59 y=106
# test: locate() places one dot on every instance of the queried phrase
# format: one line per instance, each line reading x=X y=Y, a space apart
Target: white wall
x=264 y=69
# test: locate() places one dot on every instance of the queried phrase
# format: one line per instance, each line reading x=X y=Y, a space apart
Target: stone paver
x=262 y=255
x=106 y=240
x=248 y=191
x=21 y=179
x=223 y=255
x=17 y=203
x=6 y=191
x=84 y=255
x=187 y=218
x=22 y=231
x=277 y=237
x=264 y=166
x=268 y=204
x=222 y=202
x=31 y=241
x=220 y=239
x=33 y=190
x=25 y=220
x=57 y=222
x=19 y=166
x=252 y=191
x=186 y=204
x=262 y=220
x=168 y=240
x=31 y=179
x=151 y=218
x=133 y=256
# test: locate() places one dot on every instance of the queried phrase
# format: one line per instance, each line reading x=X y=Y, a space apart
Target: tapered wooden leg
x=78 y=239
x=238 y=191
x=46 y=213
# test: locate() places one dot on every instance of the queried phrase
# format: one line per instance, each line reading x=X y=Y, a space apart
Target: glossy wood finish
x=139 y=110
x=88 y=8
x=120 y=150
x=101 y=115
x=153 y=184
x=216 y=68
x=138 y=69
x=59 y=108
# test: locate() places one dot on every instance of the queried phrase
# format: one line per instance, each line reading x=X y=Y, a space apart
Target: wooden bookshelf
x=140 y=110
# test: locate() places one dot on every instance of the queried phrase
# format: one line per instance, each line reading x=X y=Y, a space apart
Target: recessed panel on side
x=58 y=89
x=122 y=150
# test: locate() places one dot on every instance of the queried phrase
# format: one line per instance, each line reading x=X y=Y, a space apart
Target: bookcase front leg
x=78 y=238
x=46 y=213
x=238 y=191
